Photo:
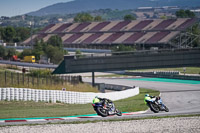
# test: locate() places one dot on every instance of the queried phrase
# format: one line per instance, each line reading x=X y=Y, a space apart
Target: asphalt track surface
x=181 y=98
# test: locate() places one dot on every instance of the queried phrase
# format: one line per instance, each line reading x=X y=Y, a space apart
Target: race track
x=181 y=98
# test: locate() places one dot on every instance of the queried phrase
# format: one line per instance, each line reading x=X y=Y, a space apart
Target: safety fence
x=8 y=78
x=24 y=94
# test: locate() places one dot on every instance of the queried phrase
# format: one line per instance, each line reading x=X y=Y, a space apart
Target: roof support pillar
x=93 y=81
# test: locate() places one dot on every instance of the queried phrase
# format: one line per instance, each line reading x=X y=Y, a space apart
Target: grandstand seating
x=46 y=38
x=73 y=38
x=112 y=37
x=186 y=24
x=169 y=37
x=164 y=24
x=141 y=25
x=79 y=27
x=40 y=36
x=122 y=38
x=91 y=38
x=99 y=26
x=133 y=37
x=109 y=26
x=177 y=23
x=157 y=37
x=119 y=26
x=145 y=37
x=155 y=31
x=130 y=25
x=83 y=37
x=71 y=27
x=62 y=28
x=47 y=28
x=101 y=38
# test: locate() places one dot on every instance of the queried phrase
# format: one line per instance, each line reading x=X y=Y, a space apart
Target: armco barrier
x=24 y=94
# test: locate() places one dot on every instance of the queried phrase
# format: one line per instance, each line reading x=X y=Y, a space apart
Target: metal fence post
x=38 y=80
x=5 y=78
x=11 y=76
x=28 y=80
x=18 y=78
x=32 y=80
x=23 y=78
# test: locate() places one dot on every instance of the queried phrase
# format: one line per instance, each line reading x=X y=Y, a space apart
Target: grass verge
x=28 y=109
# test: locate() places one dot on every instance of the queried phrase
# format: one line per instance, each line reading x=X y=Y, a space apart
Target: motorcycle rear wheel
x=102 y=112
x=154 y=107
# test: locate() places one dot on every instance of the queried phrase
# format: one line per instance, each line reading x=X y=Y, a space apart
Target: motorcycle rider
x=103 y=101
x=148 y=97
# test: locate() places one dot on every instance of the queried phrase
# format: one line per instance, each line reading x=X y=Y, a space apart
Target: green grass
x=135 y=103
x=24 y=109
x=189 y=70
x=18 y=80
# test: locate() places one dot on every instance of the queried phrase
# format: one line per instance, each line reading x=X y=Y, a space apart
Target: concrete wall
x=54 y=96
x=145 y=60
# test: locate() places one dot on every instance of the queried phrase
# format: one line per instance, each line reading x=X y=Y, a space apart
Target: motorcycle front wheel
x=166 y=109
x=119 y=113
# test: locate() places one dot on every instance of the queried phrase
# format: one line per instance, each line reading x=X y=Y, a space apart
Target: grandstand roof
x=116 y=32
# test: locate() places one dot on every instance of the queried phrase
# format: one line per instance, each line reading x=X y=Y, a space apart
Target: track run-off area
x=180 y=96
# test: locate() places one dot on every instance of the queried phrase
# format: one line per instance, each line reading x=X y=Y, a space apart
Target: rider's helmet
x=96 y=97
x=146 y=95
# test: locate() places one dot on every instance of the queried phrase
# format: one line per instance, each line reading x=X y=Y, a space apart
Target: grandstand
x=146 y=33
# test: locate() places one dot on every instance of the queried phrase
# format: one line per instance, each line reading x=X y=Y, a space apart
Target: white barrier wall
x=54 y=96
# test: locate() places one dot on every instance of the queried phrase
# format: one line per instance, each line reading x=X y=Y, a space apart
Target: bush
x=40 y=73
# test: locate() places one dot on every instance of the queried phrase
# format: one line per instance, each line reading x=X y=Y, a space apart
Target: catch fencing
x=20 y=79
x=24 y=94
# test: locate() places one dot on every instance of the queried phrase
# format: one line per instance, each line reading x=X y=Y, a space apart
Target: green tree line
x=10 y=34
x=52 y=49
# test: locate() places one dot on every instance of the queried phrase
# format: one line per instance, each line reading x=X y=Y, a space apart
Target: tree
x=196 y=31
x=26 y=52
x=83 y=17
x=129 y=17
x=9 y=34
x=38 y=50
x=190 y=14
x=98 y=18
x=185 y=14
x=1 y=33
x=54 y=53
x=163 y=17
x=55 y=41
x=10 y=52
x=2 y=51
x=22 y=33
x=78 y=53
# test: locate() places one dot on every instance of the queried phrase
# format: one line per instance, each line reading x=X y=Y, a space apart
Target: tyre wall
x=25 y=94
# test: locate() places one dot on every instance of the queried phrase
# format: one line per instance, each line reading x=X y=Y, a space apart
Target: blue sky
x=19 y=7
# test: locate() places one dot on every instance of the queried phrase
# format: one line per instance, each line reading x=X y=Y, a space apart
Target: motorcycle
x=105 y=109
x=155 y=104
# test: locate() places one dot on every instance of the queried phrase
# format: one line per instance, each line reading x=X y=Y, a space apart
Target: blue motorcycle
x=155 y=104
x=105 y=109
